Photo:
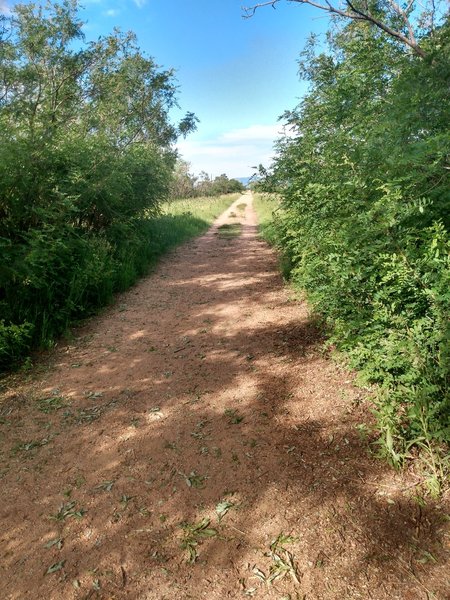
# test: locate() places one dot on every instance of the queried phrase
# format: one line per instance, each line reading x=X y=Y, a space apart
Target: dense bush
x=85 y=159
x=366 y=216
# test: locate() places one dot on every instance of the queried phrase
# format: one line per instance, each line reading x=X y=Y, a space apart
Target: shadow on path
x=206 y=384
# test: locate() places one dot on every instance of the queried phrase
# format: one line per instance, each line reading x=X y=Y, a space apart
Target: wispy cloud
x=234 y=152
x=4 y=8
x=140 y=3
x=254 y=133
x=112 y=12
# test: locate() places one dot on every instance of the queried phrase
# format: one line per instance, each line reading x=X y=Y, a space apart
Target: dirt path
x=198 y=419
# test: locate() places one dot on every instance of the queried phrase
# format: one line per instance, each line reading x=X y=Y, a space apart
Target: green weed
x=194 y=535
x=234 y=418
x=68 y=510
x=51 y=404
x=194 y=480
x=283 y=563
x=29 y=446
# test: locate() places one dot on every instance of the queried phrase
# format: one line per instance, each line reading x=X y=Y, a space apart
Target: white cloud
x=140 y=3
x=4 y=8
x=112 y=12
x=254 y=132
x=234 y=152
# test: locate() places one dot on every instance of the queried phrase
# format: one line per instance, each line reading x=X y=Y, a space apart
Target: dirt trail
x=201 y=393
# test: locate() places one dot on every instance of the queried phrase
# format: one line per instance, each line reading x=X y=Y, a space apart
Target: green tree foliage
x=405 y=22
x=183 y=182
x=186 y=185
x=222 y=185
x=85 y=158
x=365 y=220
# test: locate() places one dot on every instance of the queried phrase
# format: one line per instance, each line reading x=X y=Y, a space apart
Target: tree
x=365 y=223
x=183 y=182
x=88 y=120
x=86 y=157
x=400 y=21
x=203 y=184
x=223 y=185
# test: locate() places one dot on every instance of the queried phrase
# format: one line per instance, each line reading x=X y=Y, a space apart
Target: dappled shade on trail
x=194 y=442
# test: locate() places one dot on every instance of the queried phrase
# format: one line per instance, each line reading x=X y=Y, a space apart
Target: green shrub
x=365 y=221
x=15 y=342
x=82 y=170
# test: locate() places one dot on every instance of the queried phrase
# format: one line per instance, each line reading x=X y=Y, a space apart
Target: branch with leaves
x=362 y=10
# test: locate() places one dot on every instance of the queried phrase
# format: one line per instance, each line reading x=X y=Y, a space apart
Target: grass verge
x=266 y=206
x=184 y=219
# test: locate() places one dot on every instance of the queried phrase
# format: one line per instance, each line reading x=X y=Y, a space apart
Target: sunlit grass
x=266 y=207
x=205 y=208
x=181 y=220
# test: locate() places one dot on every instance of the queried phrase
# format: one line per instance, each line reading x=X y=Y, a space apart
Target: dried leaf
x=58 y=542
x=107 y=486
x=250 y=591
x=222 y=508
x=259 y=574
x=195 y=480
x=55 y=567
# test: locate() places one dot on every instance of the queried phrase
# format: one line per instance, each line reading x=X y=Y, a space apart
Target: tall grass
x=266 y=207
x=181 y=220
x=205 y=208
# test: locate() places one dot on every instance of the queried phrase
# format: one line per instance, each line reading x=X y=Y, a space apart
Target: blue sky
x=237 y=75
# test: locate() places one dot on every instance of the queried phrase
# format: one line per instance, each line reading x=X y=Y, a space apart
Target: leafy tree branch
x=397 y=21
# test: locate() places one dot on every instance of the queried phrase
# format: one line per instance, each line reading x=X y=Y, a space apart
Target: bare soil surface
x=194 y=442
